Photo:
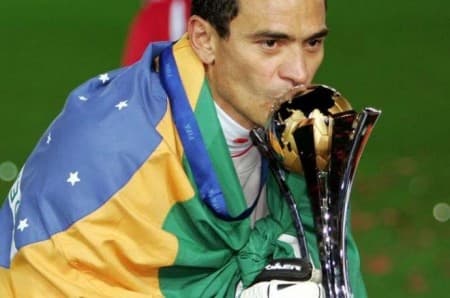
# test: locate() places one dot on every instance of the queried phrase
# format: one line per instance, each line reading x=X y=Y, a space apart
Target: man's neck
x=236 y=136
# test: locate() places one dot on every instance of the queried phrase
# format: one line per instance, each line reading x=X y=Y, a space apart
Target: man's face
x=273 y=46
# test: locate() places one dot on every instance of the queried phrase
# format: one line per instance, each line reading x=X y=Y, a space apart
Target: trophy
x=319 y=135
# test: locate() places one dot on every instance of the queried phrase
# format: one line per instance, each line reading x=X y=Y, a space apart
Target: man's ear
x=201 y=36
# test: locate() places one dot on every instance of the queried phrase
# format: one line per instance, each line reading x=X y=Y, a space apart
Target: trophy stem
x=330 y=192
x=331 y=276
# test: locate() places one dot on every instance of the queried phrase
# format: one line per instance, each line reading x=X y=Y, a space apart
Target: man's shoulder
x=112 y=115
x=104 y=134
x=115 y=109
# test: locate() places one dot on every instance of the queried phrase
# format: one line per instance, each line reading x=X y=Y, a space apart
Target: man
x=145 y=185
x=158 y=20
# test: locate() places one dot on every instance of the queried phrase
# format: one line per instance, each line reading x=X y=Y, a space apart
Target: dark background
x=392 y=55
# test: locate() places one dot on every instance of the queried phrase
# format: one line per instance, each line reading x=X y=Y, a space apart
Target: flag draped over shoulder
x=106 y=205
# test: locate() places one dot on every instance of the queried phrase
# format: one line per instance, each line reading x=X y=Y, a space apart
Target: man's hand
x=285 y=278
x=284 y=289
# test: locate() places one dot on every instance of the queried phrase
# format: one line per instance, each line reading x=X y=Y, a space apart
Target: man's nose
x=294 y=68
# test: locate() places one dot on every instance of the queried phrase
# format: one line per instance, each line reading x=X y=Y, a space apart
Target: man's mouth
x=287 y=95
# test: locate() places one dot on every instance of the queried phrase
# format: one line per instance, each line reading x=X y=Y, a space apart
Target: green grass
x=392 y=55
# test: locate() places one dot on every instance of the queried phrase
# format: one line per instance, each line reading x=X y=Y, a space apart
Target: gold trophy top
x=315 y=107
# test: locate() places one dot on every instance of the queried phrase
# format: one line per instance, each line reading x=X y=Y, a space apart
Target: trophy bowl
x=314 y=106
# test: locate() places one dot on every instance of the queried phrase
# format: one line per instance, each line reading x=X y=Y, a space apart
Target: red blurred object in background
x=158 y=20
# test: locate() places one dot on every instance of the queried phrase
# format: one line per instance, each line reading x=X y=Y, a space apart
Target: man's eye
x=270 y=43
x=315 y=42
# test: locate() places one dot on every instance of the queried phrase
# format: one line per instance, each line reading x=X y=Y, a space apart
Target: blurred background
x=391 y=55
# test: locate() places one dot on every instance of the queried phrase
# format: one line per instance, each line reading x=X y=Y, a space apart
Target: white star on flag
x=104 y=78
x=49 y=138
x=73 y=178
x=121 y=105
x=83 y=98
x=23 y=224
